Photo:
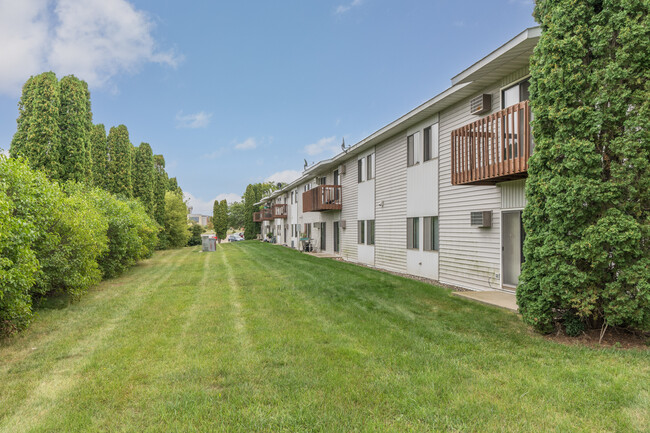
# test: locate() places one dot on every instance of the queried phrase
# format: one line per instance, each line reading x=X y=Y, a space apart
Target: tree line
x=76 y=204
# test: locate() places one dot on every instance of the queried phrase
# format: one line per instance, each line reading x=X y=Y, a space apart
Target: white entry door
x=511 y=247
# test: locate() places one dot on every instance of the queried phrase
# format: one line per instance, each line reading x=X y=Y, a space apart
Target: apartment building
x=437 y=193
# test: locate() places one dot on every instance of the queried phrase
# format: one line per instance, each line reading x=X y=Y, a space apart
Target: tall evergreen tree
x=161 y=185
x=220 y=218
x=251 y=229
x=144 y=177
x=587 y=221
x=38 y=137
x=99 y=154
x=75 y=123
x=119 y=163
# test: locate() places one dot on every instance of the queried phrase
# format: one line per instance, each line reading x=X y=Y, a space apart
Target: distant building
x=199 y=219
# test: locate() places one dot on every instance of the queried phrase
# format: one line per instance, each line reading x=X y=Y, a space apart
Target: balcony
x=267 y=214
x=257 y=217
x=322 y=198
x=493 y=149
x=279 y=210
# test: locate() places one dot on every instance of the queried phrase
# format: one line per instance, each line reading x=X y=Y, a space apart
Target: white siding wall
x=469 y=256
x=422 y=198
x=349 y=212
x=513 y=194
x=390 y=219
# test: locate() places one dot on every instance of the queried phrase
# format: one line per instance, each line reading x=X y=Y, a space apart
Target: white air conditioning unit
x=482 y=219
x=480 y=104
x=342 y=224
x=342 y=169
x=315 y=225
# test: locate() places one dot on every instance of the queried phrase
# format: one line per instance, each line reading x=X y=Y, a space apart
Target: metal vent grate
x=480 y=104
x=482 y=219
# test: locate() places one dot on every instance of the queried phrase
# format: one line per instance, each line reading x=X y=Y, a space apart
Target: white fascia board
x=494 y=56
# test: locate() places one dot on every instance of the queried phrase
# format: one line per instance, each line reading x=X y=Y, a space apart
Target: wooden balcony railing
x=322 y=198
x=267 y=214
x=257 y=217
x=493 y=149
x=279 y=211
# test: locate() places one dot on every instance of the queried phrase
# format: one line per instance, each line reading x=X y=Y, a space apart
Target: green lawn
x=257 y=337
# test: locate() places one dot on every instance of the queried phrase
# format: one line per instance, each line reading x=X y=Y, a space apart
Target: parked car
x=235 y=238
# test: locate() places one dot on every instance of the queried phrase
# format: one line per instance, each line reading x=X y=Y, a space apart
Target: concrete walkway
x=492 y=297
x=324 y=255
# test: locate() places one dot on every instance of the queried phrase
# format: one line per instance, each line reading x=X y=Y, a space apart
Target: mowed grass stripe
x=36 y=363
x=257 y=337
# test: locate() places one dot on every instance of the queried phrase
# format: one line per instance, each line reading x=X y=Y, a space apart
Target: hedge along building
x=438 y=192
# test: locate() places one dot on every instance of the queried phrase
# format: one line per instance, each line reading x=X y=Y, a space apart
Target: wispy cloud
x=216 y=154
x=95 y=40
x=248 y=144
x=327 y=145
x=284 y=176
x=341 y=9
x=204 y=207
x=193 y=121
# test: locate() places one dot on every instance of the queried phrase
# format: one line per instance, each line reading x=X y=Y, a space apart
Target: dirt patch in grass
x=614 y=338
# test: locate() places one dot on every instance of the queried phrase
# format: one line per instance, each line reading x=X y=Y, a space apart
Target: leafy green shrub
x=195 y=235
x=131 y=233
x=18 y=263
x=174 y=233
x=573 y=326
x=587 y=220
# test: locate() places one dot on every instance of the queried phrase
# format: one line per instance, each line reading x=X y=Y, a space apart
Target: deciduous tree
x=144 y=177
x=75 y=124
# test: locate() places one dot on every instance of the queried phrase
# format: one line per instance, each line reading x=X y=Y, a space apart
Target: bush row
x=61 y=239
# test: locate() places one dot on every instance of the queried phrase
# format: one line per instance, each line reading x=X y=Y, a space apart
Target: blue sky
x=239 y=92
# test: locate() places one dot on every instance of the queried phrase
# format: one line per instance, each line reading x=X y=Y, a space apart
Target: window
x=336 y=177
x=322 y=181
x=370 y=237
x=361 y=238
x=308 y=231
x=410 y=150
x=370 y=159
x=431 y=233
x=361 y=167
x=413 y=233
x=515 y=93
x=428 y=154
x=291 y=197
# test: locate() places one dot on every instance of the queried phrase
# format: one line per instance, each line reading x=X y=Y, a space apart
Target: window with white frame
x=410 y=150
x=413 y=233
x=361 y=233
x=370 y=229
x=431 y=233
x=370 y=163
x=361 y=170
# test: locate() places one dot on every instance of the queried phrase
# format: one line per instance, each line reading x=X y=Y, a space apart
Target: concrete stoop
x=492 y=297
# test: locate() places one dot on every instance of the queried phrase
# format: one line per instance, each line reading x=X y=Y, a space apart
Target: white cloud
x=341 y=9
x=216 y=154
x=324 y=145
x=285 y=176
x=204 y=207
x=193 y=121
x=94 y=40
x=248 y=144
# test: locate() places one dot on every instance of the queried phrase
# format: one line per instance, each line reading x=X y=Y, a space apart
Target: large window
x=427 y=144
x=413 y=233
x=370 y=235
x=361 y=166
x=361 y=233
x=430 y=229
x=410 y=150
x=515 y=93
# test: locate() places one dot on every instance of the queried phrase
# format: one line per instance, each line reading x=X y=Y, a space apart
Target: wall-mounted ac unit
x=482 y=219
x=315 y=225
x=342 y=169
x=480 y=104
x=342 y=224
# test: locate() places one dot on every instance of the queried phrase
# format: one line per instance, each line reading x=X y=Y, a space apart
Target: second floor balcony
x=493 y=149
x=257 y=217
x=322 y=198
x=279 y=210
